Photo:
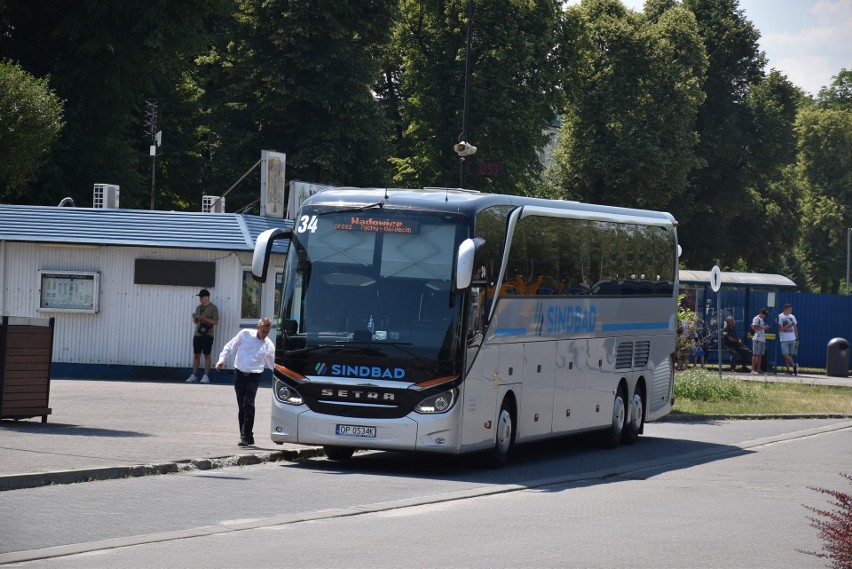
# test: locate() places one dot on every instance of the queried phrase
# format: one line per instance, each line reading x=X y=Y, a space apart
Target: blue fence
x=821 y=317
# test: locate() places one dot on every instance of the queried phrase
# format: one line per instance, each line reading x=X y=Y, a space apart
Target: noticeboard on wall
x=69 y=291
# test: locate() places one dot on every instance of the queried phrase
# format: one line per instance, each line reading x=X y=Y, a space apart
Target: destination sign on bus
x=376 y=224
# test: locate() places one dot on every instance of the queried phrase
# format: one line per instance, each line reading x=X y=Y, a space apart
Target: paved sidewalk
x=102 y=429
x=110 y=429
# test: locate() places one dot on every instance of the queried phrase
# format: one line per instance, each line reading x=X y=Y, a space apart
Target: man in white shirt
x=254 y=351
x=758 y=340
x=788 y=336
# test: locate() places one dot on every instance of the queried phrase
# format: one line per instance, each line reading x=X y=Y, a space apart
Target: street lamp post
x=152 y=124
x=464 y=133
x=848 y=241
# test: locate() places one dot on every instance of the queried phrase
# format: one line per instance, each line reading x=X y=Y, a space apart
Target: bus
x=451 y=321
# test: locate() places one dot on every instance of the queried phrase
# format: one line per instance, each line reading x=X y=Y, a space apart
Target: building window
x=250 y=305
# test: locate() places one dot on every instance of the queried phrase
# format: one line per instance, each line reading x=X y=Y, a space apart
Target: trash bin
x=837 y=358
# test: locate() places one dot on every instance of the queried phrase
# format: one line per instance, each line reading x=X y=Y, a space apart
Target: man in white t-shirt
x=788 y=336
x=758 y=340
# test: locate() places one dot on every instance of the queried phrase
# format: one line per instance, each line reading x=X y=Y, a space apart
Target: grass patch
x=702 y=392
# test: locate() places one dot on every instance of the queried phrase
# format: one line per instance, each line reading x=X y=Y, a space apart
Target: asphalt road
x=710 y=494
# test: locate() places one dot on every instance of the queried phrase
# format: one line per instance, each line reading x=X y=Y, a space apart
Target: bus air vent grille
x=624 y=357
x=642 y=354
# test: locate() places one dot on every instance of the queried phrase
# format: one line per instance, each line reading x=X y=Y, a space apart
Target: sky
x=809 y=41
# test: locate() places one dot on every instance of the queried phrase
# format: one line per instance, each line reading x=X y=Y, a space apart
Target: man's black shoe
x=245 y=443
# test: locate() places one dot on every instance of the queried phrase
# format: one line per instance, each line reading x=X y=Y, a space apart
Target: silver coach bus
x=453 y=321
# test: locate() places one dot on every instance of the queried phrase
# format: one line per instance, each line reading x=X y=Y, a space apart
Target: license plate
x=356 y=431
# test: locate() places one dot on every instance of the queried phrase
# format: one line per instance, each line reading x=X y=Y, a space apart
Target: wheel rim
x=618 y=415
x=504 y=432
x=636 y=414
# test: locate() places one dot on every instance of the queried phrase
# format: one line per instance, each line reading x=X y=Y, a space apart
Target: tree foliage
x=30 y=121
x=670 y=108
x=628 y=133
x=519 y=54
x=104 y=59
x=717 y=196
x=838 y=95
x=825 y=170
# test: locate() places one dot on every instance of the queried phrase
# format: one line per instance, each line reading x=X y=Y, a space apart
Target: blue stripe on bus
x=634 y=326
x=510 y=332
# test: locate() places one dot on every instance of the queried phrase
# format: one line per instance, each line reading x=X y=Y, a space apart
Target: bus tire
x=338 y=453
x=611 y=437
x=504 y=441
x=635 y=418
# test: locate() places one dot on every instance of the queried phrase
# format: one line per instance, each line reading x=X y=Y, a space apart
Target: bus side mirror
x=465 y=261
x=262 y=250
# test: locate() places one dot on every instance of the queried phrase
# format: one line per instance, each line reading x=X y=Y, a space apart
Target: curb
x=37 y=479
x=684 y=418
x=34 y=480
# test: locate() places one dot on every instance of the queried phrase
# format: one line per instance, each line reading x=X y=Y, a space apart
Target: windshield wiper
x=309 y=349
x=399 y=346
x=380 y=205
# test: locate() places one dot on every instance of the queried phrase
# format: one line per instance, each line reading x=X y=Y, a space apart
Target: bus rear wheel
x=338 y=453
x=635 y=419
x=504 y=441
x=611 y=437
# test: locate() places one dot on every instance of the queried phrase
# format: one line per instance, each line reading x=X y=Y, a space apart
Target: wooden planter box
x=26 y=351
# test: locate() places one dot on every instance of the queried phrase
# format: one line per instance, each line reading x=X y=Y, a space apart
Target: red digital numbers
x=489 y=168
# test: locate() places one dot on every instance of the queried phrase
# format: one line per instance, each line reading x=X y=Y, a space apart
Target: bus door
x=600 y=381
x=535 y=418
x=569 y=385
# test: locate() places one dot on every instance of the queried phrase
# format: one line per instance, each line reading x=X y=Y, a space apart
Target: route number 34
x=307 y=223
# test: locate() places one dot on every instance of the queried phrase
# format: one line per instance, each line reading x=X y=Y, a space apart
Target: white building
x=122 y=284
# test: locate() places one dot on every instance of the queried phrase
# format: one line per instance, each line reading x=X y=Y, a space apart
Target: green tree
x=825 y=169
x=766 y=226
x=718 y=196
x=298 y=79
x=519 y=57
x=104 y=59
x=628 y=134
x=30 y=121
x=838 y=95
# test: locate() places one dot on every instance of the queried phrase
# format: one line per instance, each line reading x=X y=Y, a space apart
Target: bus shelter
x=741 y=295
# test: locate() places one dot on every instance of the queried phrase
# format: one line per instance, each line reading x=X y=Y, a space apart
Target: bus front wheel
x=338 y=453
x=505 y=437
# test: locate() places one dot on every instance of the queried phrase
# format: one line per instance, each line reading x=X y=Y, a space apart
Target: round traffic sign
x=715 y=278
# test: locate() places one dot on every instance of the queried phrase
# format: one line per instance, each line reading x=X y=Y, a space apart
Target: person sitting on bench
x=732 y=343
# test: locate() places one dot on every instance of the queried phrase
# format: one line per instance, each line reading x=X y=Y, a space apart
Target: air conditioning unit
x=213 y=204
x=105 y=196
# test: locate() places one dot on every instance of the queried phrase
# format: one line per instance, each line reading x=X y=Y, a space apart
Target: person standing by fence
x=788 y=336
x=758 y=341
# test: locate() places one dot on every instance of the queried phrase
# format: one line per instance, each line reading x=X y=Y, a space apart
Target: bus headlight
x=287 y=394
x=439 y=403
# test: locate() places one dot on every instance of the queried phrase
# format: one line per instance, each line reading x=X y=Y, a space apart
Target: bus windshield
x=372 y=283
